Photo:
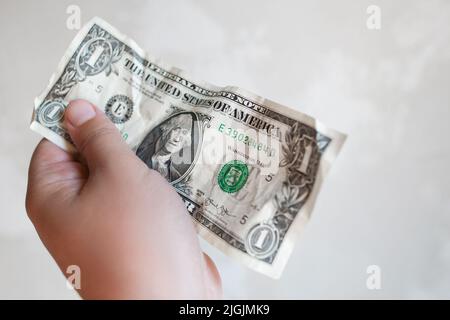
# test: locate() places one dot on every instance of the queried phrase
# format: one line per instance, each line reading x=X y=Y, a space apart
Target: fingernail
x=79 y=112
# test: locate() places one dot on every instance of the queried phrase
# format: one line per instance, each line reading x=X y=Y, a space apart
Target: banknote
x=248 y=169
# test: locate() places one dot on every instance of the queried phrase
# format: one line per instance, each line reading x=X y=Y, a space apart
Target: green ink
x=233 y=176
x=245 y=139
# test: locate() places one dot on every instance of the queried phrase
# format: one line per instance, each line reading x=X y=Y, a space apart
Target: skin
x=105 y=211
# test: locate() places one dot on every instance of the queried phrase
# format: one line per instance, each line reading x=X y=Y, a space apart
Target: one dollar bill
x=247 y=168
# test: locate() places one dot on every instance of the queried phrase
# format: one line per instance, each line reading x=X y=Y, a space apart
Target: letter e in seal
x=119 y=108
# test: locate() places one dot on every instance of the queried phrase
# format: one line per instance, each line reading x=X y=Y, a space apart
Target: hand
x=119 y=221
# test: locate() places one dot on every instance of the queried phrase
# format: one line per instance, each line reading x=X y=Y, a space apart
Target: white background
x=386 y=200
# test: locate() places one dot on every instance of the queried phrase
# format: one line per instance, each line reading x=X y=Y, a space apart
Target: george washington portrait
x=171 y=146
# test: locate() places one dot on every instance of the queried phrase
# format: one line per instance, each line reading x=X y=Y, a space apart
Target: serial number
x=245 y=139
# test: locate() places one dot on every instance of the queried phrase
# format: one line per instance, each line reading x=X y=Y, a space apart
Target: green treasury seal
x=232 y=176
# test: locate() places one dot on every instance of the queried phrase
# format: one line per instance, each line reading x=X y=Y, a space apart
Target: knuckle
x=30 y=206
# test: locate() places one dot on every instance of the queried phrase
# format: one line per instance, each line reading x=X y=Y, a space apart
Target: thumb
x=94 y=135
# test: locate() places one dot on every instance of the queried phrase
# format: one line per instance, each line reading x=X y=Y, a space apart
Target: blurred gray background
x=386 y=200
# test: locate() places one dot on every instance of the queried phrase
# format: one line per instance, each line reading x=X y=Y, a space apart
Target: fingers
x=46 y=154
x=94 y=135
x=49 y=166
x=213 y=280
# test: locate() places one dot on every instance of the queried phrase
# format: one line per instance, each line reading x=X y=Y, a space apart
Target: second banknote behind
x=248 y=169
